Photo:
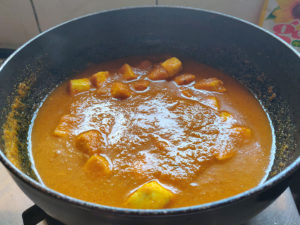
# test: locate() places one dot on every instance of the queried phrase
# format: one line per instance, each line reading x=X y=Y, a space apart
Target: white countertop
x=12 y=200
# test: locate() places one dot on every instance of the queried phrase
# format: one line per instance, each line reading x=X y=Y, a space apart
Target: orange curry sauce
x=142 y=136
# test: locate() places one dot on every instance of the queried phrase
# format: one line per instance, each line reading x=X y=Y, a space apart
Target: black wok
x=253 y=56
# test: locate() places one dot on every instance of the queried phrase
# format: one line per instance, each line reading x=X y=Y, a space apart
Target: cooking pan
x=256 y=58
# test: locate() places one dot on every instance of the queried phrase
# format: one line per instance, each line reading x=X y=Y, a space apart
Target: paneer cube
x=79 y=85
x=185 y=79
x=65 y=125
x=225 y=154
x=210 y=84
x=99 y=78
x=98 y=165
x=141 y=85
x=151 y=195
x=172 y=66
x=212 y=102
x=90 y=142
x=242 y=133
x=127 y=72
x=225 y=116
x=158 y=73
x=120 y=90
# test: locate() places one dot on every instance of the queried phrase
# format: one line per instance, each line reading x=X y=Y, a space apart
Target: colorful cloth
x=282 y=17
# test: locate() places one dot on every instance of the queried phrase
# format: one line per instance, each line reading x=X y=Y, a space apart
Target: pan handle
x=34 y=215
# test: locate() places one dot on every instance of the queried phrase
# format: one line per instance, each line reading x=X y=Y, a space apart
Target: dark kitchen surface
x=282 y=211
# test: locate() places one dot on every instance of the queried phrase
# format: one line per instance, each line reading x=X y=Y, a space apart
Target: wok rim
x=281 y=176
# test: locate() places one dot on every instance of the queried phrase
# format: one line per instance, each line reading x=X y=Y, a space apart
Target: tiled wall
x=17 y=22
x=54 y=12
x=22 y=19
x=245 y=9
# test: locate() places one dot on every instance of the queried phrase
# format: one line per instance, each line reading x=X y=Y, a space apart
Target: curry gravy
x=187 y=139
